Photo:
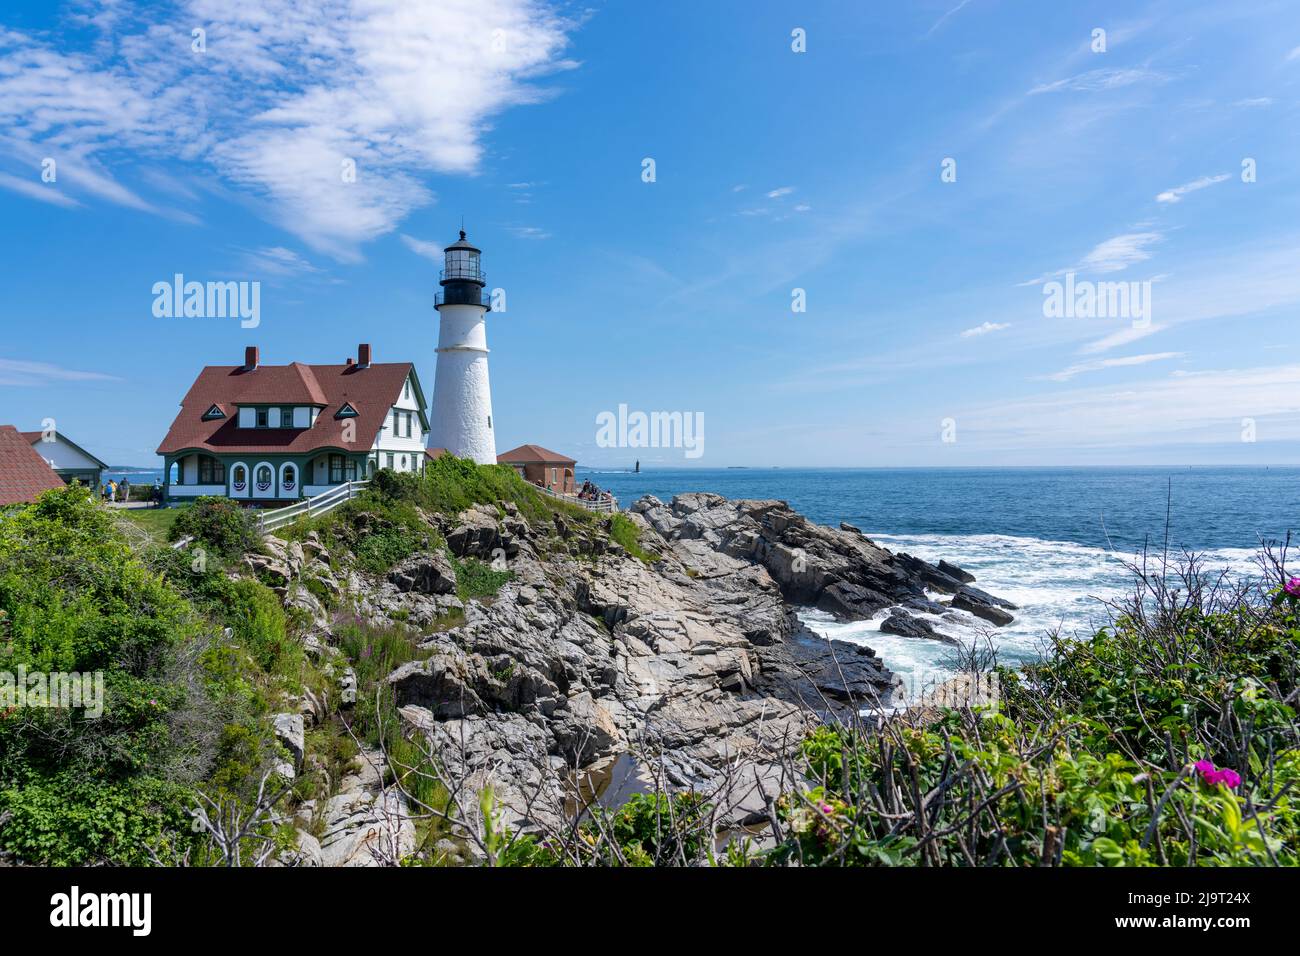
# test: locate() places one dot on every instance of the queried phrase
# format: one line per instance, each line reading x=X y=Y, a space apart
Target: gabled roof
x=34 y=437
x=372 y=391
x=532 y=454
x=23 y=473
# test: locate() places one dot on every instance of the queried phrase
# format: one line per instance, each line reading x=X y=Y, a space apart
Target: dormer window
x=262 y=417
x=347 y=411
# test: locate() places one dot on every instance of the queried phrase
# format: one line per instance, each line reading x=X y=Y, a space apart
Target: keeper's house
x=270 y=434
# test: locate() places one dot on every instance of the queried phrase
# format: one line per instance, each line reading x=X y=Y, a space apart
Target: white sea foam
x=1057 y=584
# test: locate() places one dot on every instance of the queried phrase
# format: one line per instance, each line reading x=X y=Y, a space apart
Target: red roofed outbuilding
x=543 y=467
x=24 y=474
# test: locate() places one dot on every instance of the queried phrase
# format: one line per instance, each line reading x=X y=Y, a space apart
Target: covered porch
x=260 y=479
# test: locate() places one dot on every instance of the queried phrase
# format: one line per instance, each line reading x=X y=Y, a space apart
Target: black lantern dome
x=463 y=278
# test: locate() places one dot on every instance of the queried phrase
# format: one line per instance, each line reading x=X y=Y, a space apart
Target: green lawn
x=157 y=521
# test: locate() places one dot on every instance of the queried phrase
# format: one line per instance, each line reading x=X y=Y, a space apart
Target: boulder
x=851 y=602
x=972 y=602
x=427 y=573
x=477 y=535
x=905 y=625
x=585 y=730
x=288 y=729
x=955 y=572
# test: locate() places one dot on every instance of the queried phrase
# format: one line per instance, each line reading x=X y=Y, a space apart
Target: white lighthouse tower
x=462 y=397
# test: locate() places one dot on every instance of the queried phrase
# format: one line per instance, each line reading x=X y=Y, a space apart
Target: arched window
x=288 y=477
x=239 y=479
x=174 y=473
x=264 y=478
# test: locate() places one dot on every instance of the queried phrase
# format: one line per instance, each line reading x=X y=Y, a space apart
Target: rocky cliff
x=693 y=654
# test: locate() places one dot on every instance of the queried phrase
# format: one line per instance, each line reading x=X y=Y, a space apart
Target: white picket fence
x=310 y=507
x=605 y=507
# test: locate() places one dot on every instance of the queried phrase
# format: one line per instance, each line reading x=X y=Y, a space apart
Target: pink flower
x=1212 y=777
x=1293 y=587
x=827 y=808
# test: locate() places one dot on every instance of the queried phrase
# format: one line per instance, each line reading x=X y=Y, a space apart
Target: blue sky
x=774 y=170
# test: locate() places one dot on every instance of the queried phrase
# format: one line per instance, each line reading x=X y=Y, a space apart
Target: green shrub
x=74 y=597
x=477 y=579
x=261 y=627
x=623 y=531
x=224 y=526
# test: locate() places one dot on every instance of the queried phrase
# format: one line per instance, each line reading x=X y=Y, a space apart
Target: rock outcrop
x=697 y=659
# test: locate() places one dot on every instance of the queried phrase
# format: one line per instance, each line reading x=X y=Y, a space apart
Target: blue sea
x=1053 y=540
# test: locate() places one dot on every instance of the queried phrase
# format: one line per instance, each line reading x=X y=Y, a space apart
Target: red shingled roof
x=24 y=474
x=525 y=454
x=372 y=391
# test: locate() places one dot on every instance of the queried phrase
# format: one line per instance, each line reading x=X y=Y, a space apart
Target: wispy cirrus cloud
x=1094 y=81
x=281 y=101
x=952 y=12
x=1065 y=374
x=19 y=372
x=528 y=232
x=1202 y=406
x=433 y=251
x=1120 y=252
x=1178 y=192
x=277 y=261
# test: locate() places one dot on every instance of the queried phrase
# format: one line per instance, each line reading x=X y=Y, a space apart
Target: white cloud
x=433 y=251
x=1293 y=55
x=1097 y=365
x=944 y=19
x=1125 y=336
x=17 y=372
x=985 y=328
x=528 y=232
x=1205 y=406
x=35 y=189
x=779 y=193
x=1099 y=80
x=1254 y=101
x=1120 y=252
x=277 y=261
x=285 y=93
x=1178 y=192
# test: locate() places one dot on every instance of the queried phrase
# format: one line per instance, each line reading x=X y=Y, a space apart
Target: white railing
x=608 y=506
x=310 y=507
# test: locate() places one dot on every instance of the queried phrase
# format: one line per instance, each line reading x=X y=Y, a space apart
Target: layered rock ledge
x=697 y=656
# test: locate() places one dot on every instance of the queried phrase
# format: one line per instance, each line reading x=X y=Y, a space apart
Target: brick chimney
x=250 y=358
x=350 y=362
x=363 y=355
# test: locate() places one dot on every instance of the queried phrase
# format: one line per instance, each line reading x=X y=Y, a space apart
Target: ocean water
x=1053 y=540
